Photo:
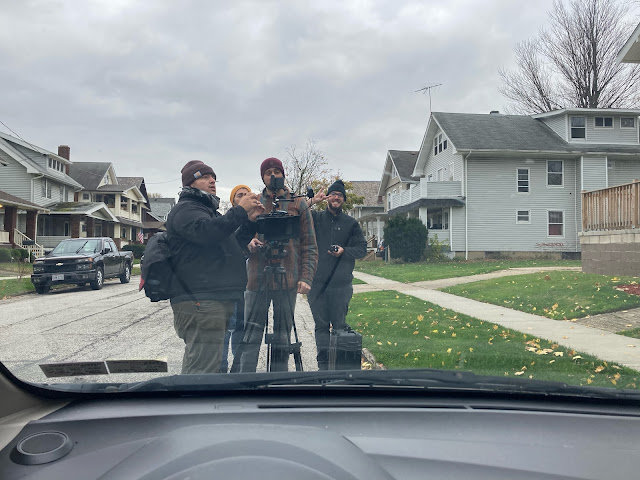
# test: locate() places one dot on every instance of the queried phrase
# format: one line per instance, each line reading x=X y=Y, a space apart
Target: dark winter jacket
x=206 y=248
x=341 y=230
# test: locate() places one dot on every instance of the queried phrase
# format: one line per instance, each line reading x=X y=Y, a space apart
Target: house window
x=61 y=188
x=83 y=227
x=523 y=180
x=106 y=179
x=439 y=144
x=451 y=172
x=440 y=174
x=523 y=216
x=627 y=122
x=46 y=188
x=555 y=173
x=578 y=127
x=134 y=208
x=85 y=196
x=124 y=233
x=67 y=229
x=395 y=172
x=50 y=163
x=98 y=198
x=604 y=122
x=98 y=229
x=556 y=223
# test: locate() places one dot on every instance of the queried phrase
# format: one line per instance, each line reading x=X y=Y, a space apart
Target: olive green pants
x=202 y=326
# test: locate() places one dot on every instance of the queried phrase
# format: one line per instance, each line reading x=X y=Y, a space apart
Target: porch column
x=75 y=226
x=10 y=222
x=31 y=224
x=90 y=226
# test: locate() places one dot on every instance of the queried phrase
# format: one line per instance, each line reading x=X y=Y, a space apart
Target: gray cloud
x=151 y=85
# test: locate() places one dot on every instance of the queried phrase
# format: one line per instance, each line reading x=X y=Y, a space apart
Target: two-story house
x=512 y=183
x=36 y=176
x=123 y=197
x=370 y=214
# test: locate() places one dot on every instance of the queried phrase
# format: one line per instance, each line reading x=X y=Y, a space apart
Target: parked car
x=80 y=261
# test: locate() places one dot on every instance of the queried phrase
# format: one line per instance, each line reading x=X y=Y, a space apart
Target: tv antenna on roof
x=427 y=90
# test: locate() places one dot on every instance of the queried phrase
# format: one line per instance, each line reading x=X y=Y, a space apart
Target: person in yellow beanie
x=235 y=326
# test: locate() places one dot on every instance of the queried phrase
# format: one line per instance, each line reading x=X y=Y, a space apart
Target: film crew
x=208 y=264
x=235 y=327
x=340 y=242
x=300 y=261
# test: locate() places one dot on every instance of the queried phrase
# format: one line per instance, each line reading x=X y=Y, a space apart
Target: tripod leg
x=297 y=357
x=253 y=322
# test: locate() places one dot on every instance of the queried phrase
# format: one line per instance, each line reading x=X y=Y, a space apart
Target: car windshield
x=75 y=247
x=343 y=193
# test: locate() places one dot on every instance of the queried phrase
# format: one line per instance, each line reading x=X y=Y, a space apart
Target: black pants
x=328 y=309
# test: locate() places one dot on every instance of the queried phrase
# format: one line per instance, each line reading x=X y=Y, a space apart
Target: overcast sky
x=151 y=85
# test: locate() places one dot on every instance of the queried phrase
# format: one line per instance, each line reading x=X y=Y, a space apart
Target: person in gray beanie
x=208 y=265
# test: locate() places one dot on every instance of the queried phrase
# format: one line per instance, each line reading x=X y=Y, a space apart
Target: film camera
x=334 y=248
x=279 y=226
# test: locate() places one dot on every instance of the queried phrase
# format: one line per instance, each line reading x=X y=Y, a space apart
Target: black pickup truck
x=82 y=261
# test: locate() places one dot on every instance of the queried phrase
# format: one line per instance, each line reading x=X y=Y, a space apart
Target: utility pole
x=427 y=90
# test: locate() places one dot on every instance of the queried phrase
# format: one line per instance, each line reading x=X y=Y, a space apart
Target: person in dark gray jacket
x=208 y=265
x=340 y=242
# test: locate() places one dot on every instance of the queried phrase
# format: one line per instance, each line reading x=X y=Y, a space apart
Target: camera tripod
x=274 y=274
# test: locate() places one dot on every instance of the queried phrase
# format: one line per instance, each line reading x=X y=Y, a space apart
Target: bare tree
x=573 y=63
x=155 y=195
x=305 y=166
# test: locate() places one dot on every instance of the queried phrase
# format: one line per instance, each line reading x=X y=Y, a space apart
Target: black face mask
x=195 y=192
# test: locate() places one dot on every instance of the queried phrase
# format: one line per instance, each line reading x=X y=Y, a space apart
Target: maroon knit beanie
x=270 y=163
x=194 y=170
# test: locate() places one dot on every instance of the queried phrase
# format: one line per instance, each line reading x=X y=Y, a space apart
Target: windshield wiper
x=416 y=379
x=82 y=246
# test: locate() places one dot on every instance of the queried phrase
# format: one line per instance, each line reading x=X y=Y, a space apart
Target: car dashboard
x=320 y=435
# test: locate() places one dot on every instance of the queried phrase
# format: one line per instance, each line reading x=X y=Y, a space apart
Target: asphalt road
x=118 y=322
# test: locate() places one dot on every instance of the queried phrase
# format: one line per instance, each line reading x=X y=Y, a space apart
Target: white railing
x=4 y=237
x=425 y=190
x=20 y=238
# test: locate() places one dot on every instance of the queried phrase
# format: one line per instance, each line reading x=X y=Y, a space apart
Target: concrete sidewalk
x=595 y=341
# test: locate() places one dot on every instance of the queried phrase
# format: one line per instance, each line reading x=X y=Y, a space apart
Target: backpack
x=157 y=271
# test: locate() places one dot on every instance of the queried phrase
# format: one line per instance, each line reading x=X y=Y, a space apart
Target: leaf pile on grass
x=418 y=272
x=405 y=332
x=557 y=295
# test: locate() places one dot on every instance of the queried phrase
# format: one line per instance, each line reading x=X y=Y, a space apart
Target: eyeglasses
x=335 y=194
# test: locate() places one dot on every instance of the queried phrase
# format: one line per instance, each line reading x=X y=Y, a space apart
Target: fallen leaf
x=416 y=332
x=577 y=357
x=519 y=373
x=617 y=376
x=589 y=381
x=448 y=350
x=558 y=354
x=379 y=343
x=599 y=368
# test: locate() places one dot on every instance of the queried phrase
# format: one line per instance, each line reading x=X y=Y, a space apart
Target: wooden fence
x=613 y=208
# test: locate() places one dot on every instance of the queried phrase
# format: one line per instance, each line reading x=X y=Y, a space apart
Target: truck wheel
x=99 y=281
x=42 y=289
x=126 y=276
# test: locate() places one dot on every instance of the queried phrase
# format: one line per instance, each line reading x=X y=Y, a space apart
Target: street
x=118 y=322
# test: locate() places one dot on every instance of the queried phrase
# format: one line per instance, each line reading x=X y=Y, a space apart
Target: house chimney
x=492 y=112
x=64 y=151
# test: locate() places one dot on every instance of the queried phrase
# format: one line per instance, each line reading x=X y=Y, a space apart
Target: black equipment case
x=345 y=350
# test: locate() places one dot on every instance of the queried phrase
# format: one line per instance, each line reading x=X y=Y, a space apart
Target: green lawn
x=357 y=281
x=15 y=286
x=634 y=333
x=404 y=332
x=558 y=295
x=12 y=269
x=416 y=272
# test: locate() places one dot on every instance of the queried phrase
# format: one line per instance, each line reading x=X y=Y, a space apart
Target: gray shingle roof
x=113 y=188
x=405 y=161
x=161 y=206
x=8 y=199
x=131 y=181
x=471 y=131
x=368 y=190
x=89 y=174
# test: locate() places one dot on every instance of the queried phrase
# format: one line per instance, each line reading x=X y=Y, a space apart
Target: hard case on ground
x=345 y=350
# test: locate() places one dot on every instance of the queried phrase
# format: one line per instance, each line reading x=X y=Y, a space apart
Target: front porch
x=610 y=237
